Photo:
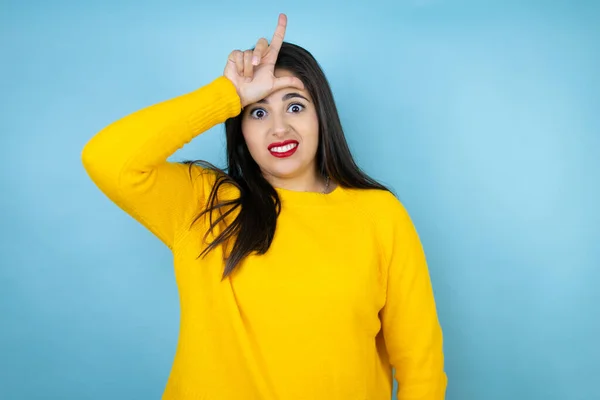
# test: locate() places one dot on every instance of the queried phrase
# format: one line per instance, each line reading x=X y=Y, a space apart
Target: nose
x=280 y=126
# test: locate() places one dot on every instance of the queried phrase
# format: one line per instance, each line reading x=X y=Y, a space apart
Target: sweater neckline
x=297 y=198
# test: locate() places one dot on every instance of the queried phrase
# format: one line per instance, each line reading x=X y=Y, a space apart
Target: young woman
x=300 y=277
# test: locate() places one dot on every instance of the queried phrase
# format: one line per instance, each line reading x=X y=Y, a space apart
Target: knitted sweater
x=340 y=302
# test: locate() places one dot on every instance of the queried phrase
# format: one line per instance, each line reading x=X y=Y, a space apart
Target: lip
x=285 y=143
x=279 y=144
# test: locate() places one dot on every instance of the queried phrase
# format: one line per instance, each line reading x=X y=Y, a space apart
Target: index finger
x=277 y=40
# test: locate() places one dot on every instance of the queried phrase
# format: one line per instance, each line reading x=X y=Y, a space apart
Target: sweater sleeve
x=411 y=329
x=127 y=160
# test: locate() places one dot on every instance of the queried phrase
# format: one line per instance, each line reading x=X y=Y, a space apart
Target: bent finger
x=237 y=57
x=260 y=50
x=248 y=67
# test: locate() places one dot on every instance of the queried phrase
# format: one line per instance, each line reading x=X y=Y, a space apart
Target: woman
x=299 y=276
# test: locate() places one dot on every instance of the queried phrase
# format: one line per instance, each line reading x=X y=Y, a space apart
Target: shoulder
x=390 y=220
x=205 y=177
x=201 y=173
x=380 y=205
x=387 y=215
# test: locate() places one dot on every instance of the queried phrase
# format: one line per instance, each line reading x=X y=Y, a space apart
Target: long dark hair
x=258 y=205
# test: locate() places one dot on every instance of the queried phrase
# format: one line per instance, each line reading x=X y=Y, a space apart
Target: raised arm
x=128 y=159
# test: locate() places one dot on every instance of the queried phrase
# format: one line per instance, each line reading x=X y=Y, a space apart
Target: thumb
x=287 y=81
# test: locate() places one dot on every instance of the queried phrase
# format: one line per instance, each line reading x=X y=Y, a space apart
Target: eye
x=296 y=107
x=258 y=113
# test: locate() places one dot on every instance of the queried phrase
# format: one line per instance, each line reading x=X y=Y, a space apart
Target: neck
x=310 y=182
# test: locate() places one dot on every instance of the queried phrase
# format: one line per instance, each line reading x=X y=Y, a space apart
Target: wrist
x=237 y=90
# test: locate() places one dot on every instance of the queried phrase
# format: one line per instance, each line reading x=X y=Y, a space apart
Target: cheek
x=251 y=138
x=312 y=133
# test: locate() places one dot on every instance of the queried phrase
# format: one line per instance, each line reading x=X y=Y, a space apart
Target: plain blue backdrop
x=484 y=116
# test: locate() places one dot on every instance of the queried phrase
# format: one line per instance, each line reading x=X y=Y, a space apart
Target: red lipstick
x=283 y=149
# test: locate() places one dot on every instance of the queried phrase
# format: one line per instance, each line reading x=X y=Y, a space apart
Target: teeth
x=283 y=149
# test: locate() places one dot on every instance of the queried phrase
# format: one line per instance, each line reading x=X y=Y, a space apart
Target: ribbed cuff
x=224 y=103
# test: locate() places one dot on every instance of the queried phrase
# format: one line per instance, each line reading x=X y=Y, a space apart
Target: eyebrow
x=287 y=96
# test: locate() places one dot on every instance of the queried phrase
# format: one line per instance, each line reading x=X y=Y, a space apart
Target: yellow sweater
x=342 y=296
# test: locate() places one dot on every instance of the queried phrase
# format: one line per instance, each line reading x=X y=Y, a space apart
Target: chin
x=285 y=170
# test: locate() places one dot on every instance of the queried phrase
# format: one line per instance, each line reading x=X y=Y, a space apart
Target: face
x=282 y=133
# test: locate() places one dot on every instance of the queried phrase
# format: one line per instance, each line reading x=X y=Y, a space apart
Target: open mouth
x=283 y=149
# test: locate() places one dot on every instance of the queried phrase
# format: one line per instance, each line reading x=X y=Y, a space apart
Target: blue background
x=483 y=116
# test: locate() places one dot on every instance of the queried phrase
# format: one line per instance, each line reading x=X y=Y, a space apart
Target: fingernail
x=255 y=60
